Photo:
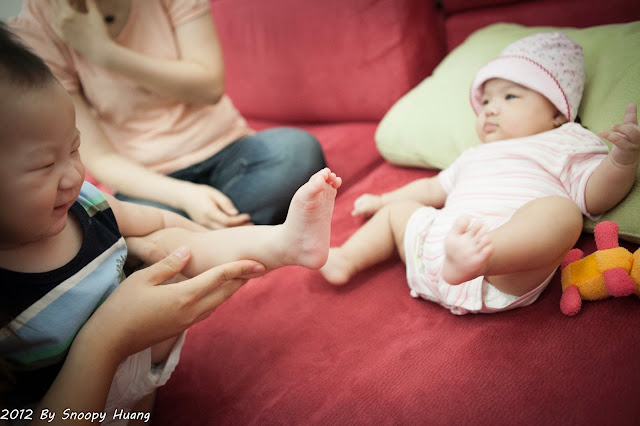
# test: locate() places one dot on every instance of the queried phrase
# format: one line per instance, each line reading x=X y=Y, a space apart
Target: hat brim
x=524 y=72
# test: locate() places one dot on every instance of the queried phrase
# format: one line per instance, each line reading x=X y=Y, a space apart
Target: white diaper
x=495 y=300
x=424 y=255
x=135 y=378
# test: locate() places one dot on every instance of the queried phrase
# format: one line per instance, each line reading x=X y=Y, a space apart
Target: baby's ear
x=559 y=119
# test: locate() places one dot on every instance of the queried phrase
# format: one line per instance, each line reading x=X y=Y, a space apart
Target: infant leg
x=531 y=245
x=302 y=240
x=376 y=241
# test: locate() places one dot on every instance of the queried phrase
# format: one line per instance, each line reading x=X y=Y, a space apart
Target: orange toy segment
x=635 y=271
x=618 y=257
x=593 y=289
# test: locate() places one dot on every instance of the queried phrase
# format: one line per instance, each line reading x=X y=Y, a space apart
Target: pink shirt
x=162 y=134
x=489 y=183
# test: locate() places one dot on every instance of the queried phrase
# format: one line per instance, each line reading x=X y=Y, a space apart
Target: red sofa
x=290 y=349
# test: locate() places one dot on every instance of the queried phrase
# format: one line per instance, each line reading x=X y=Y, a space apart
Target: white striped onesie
x=489 y=183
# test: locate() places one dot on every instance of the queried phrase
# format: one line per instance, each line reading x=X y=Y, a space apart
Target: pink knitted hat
x=549 y=63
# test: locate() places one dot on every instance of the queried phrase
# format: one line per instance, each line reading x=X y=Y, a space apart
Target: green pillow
x=432 y=124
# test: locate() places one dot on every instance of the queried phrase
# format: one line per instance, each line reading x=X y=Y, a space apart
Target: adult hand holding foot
x=137 y=315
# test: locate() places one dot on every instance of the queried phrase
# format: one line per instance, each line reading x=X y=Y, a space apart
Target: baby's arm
x=136 y=220
x=427 y=191
x=613 y=178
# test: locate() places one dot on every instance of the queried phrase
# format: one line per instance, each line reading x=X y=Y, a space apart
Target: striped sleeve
x=579 y=165
x=447 y=177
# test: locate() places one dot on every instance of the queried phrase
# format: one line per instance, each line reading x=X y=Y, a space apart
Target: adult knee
x=304 y=148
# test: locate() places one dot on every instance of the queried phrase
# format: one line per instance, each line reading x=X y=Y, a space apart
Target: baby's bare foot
x=308 y=224
x=337 y=270
x=467 y=249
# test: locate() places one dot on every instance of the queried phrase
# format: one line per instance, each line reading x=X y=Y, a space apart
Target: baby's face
x=510 y=110
x=40 y=168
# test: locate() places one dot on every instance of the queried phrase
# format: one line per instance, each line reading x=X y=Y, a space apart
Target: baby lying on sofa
x=487 y=233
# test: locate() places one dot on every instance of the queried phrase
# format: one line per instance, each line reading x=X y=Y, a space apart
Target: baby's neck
x=46 y=254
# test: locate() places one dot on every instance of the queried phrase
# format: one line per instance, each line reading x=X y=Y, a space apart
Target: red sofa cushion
x=345 y=60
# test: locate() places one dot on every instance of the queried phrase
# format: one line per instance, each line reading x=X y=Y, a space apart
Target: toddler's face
x=510 y=110
x=40 y=168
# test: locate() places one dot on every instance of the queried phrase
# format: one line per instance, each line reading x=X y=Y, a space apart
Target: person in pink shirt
x=487 y=233
x=147 y=81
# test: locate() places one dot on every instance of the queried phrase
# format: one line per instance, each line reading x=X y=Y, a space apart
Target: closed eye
x=41 y=167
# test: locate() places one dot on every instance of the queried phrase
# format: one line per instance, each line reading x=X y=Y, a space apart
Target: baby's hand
x=367 y=205
x=625 y=138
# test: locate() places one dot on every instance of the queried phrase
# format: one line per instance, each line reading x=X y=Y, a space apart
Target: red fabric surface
x=345 y=60
x=290 y=349
x=455 y=6
x=568 y=13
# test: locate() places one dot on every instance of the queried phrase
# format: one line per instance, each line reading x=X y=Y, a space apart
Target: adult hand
x=141 y=313
x=137 y=315
x=367 y=205
x=211 y=208
x=86 y=33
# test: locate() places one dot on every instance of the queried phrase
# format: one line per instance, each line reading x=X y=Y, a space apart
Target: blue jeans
x=259 y=173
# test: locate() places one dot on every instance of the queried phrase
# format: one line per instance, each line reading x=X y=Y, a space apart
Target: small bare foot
x=467 y=249
x=337 y=270
x=308 y=224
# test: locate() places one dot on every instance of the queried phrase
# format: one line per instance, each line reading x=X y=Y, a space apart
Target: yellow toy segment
x=590 y=287
x=580 y=270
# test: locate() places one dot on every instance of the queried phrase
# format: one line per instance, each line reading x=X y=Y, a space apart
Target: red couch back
x=462 y=17
x=320 y=61
x=284 y=62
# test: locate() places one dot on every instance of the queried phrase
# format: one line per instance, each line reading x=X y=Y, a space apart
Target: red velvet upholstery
x=565 y=13
x=290 y=349
x=297 y=61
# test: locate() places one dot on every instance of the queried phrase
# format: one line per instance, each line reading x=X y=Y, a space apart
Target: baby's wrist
x=623 y=161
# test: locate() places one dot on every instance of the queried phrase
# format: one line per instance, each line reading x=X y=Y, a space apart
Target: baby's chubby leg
x=302 y=240
x=377 y=240
x=517 y=256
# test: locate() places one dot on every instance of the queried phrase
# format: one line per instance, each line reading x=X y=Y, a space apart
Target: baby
x=487 y=233
x=62 y=246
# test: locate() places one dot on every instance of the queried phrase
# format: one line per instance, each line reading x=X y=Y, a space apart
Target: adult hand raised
x=86 y=33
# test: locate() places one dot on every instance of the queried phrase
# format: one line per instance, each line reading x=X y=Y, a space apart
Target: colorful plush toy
x=610 y=271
